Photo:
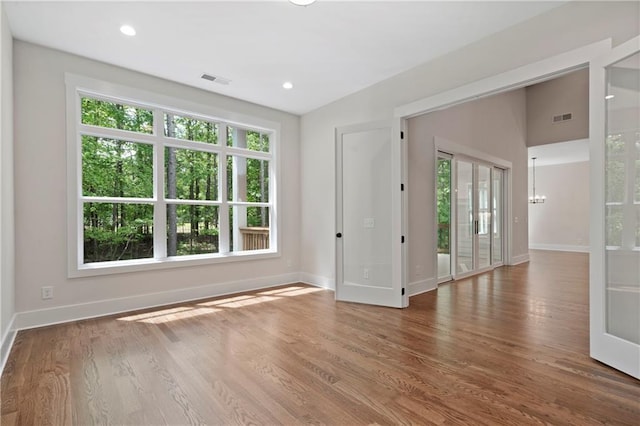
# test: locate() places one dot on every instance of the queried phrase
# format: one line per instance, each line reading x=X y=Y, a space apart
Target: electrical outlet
x=365 y=274
x=47 y=293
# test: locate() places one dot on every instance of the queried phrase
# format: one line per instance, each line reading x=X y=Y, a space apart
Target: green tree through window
x=118 y=181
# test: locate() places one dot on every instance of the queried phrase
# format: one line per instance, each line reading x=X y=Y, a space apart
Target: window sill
x=620 y=249
x=140 y=265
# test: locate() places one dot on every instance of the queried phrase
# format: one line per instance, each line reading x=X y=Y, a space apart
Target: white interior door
x=368 y=215
x=615 y=208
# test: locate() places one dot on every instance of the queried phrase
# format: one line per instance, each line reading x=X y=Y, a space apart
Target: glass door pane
x=465 y=217
x=483 y=224
x=622 y=199
x=496 y=224
x=444 y=217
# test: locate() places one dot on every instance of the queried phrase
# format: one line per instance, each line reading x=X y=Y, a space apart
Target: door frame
x=526 y=75
x=607 y=348
x=532 y=73
x=398 y=296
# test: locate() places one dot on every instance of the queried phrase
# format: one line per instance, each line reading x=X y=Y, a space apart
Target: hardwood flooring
x=507 y=347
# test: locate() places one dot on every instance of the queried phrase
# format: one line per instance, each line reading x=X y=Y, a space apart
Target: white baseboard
x=61 y=314
x=6 y=343
x=423 y=286
x=318 y=281
x=516 y=260
x=559 y=247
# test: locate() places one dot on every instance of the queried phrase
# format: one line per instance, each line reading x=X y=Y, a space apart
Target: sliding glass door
x=479 y=210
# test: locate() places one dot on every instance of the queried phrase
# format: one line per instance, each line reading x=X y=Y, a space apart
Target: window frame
x=78 y=87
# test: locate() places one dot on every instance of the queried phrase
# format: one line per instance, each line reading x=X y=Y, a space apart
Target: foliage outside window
x=622 y=190
x=157 y=184
x=444 y=205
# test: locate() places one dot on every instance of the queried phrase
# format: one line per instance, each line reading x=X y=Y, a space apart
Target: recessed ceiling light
x=128 y=30
x=609 y=97
x=287 y=85
x=302 y=2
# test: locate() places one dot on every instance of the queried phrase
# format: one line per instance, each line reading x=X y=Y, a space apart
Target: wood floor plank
x=506 y=347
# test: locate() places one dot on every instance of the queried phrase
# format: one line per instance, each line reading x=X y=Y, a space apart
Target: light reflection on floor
x=205 y=308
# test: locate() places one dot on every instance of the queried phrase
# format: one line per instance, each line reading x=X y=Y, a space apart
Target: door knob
x=339 y=235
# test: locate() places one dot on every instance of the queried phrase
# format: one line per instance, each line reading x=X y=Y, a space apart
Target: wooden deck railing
x=255 y=238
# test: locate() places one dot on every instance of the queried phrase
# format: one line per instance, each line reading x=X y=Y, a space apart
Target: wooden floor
x=507 y=347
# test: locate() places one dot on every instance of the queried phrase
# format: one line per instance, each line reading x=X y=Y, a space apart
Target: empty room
x=319 y=212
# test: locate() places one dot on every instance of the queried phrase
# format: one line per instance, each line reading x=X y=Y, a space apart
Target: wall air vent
x=562 y=117
x=215 y=79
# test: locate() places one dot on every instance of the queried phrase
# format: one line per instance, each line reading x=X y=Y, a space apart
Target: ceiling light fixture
x=302 y=2
x=535 y=199
x=128 y=30
x=609 y=97
x=287 y=85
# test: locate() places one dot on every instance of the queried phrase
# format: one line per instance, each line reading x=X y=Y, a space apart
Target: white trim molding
x=62 y=314
x=559 y=247
x=318 y=281
x=517 y=260
x=422 y=286
x=526 y=75
x=7 y=343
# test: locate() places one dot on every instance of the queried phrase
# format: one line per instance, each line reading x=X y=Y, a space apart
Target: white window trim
x=77 y=86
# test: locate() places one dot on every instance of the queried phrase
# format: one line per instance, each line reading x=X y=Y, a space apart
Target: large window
x=153 y=185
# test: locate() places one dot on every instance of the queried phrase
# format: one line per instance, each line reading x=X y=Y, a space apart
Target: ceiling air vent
x=562 y=117
x=216 y=79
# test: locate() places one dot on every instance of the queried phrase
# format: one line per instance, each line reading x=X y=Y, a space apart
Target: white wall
x=568 y=27
x=40 y=194
x=7 y=284
x=562 y=222
x=496 y=126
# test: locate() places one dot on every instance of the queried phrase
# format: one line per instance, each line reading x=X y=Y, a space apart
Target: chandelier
x=535 y=198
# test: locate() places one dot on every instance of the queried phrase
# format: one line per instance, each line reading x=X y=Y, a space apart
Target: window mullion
x=160 y=205
x=191 y=145
x=274 y=177
x=628 y=212
x=77 y=185
x=118 y=134
x=245 y=152
x=223 y=220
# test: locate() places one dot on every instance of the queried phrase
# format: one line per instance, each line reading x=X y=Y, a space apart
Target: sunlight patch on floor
x=213 y=306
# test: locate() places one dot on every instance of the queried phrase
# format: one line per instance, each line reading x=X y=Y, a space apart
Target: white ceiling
x=560 y=153
x=328 y=50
